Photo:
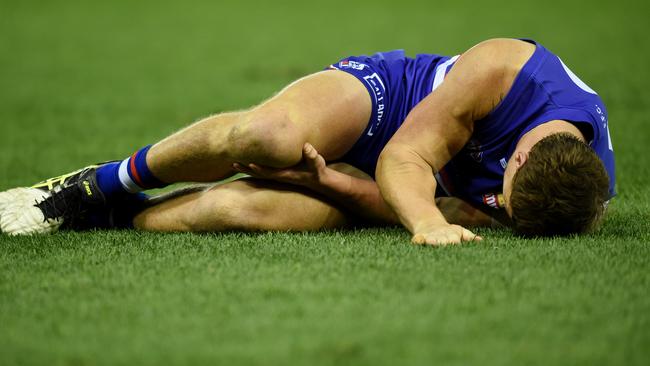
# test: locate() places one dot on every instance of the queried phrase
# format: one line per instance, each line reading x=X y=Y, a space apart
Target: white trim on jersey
x=125 y=178
x=581 y=84
x=441 y=71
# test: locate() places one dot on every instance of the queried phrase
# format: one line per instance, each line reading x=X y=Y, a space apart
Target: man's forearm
x=360 y=196
x=408 y=186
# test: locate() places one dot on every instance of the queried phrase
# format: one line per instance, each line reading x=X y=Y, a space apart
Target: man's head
x=559 y=187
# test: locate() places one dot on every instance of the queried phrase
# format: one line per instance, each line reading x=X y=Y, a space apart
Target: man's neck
x=546 y=129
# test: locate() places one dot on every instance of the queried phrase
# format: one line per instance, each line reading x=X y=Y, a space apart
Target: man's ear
x=520 y=158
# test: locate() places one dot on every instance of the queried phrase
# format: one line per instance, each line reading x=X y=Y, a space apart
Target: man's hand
x=310 y=172
x=443 y=235
x=341 y=183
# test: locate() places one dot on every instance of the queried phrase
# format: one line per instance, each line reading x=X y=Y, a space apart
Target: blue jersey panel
x=396 y=83
x=544 y=90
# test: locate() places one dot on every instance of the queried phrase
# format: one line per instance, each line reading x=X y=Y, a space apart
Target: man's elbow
x=396 y=157
x=388 y=158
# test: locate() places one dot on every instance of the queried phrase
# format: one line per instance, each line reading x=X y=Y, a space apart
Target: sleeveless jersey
x=544 y=90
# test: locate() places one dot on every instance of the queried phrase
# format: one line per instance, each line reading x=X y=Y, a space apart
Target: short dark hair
x=561 y=189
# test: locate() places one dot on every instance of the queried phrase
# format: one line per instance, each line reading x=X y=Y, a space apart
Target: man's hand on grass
x=443 y=234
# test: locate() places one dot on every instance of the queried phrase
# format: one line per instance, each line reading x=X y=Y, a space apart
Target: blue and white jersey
x=544 y=90
x=396 y=84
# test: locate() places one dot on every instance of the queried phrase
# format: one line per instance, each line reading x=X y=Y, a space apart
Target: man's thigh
x=329 y=109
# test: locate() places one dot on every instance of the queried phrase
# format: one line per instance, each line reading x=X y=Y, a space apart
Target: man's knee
x=268 y=136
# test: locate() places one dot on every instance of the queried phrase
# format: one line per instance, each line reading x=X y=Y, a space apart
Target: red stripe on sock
x=134 y=171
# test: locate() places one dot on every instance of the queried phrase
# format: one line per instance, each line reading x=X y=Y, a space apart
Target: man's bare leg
x=264 y=205
x=249 y=205
x=329 y=109
x=246 y=205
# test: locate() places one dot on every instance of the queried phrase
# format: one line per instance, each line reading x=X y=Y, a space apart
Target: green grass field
x=89 y=81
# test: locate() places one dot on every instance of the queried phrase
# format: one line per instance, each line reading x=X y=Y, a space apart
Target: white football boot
x=20 y=215
x=52 y=204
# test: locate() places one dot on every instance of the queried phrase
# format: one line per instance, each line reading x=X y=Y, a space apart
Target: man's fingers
x=454 y=238
x=248 y=169
x=257 y=170
x=434 y=241
x=310 y=155
x=309 y=151
x=265 y=170
x=429 y=239
x=470 y=236
x=451 y=235
x=241 y=168
x=418 y=239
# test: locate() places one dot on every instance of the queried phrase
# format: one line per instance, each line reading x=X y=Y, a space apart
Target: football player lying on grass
x=506 y=128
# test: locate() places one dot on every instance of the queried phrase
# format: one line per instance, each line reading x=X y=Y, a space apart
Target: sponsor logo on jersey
x=504 y=163
x=379 y=90
x=473 y=149
x=603 y=119
x=493 y=200
x=347 y=64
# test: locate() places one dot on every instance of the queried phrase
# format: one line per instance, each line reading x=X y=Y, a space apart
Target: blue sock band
x=129 y=176
x=108 y=179
x=140 y=173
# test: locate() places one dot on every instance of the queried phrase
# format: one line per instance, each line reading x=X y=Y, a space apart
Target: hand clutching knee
x=310 y=172
x=341 y=183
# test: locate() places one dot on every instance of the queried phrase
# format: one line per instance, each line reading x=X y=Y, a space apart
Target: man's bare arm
x=437 y=129
x=351 y=188
x=340 y=182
